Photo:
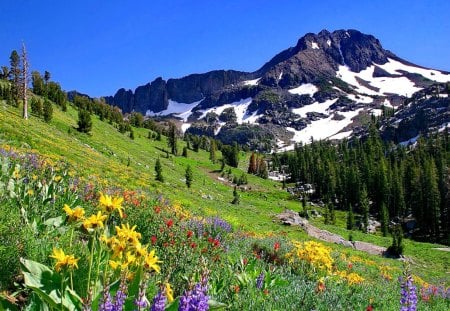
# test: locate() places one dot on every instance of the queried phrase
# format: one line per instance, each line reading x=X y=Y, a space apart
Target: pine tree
x=350 y=219
x=396 y=249
x=431 y=199
x=189 y=176
x=212 y=151
x=158 y=135
x=131 y=134
x=185 y=152
x=172 y=139
x=47 y=111
x=384 y=219
x=36 y=106
x=236 y=198
x=364 y=205
x=15 y=75
x=84 y=121
x=262 y=169
x=158 y=170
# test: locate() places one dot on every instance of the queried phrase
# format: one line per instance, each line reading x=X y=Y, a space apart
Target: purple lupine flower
x=408 y=298
x=159 y=302
x=260 y=280
x=105 y=303
x=141 y=301
x=121 y=295
x=196 y=299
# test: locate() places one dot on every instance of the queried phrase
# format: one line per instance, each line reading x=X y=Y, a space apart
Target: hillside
x=110 y=160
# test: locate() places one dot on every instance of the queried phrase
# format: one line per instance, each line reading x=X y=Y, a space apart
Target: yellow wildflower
x=63 y=260
x=151 y=262
x=128 y=234
x=140 y=251
x=115 y=264
x=16 y=174
x=316 y=254
x=74 y=214
x=168 y=292
x=30 y=192
x=94 y=221
x=110 y=204
x=57 y=178
x=354 y=278
x=130 y=259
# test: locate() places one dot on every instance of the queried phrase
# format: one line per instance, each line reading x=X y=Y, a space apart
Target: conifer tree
x=84 y=121
x=212 y=151
x=158 y=170
x=47 y=112
x=184 y=153
x=15 y=75
x=350 y=218
x=236 y=198
x=36 y=106
x=384 y=219
x=189 y=176
x=364 y=205
x=172 y=139
x=131 y=134
x=262 y=169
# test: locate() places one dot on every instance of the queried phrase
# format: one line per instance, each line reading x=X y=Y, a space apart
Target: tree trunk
x=24 y=81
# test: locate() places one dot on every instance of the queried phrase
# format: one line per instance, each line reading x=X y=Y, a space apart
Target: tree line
x=370 y=176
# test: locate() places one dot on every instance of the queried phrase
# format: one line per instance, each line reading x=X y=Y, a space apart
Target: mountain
x=321 y=88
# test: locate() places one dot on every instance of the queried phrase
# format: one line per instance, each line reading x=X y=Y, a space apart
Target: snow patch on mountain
x=314 y=45
x=240 y=108
x=180 y=110
x=303 y=89
x=395 y=67
x=386 y=85
x=251 y=82
x=185 y=126
x=323 y=128
x=341 y=135
x=314 y=107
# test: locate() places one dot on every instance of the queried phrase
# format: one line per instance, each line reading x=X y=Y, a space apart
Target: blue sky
x=97 y=47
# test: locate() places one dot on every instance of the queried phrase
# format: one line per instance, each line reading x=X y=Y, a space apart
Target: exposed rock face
x=315 y=56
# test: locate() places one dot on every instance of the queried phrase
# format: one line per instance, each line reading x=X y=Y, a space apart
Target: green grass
x=103 y=157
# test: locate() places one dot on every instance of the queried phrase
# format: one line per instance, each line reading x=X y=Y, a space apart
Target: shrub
x=84 y=121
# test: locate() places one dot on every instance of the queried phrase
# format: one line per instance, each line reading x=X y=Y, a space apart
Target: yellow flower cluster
x=110 y=204
x=365 y=261
x=316 y=254
x=351 y=278
x=385 y=272
x=75 y=214
x=127 y=250
x=63 y=260
x=419 y=281
x=179 y=211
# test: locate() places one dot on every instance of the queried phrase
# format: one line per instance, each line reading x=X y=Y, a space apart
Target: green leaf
x=215 y=305
x=47 y=285
x=133 y=290
x=174 y=305
x=54 y=222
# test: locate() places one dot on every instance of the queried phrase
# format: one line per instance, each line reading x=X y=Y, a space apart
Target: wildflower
x=30 y=192
x=151 y=262
x=195 y=299
x=408 y=298
x=141 y=301
x=266 y=292
x=110 y=204
x=369 y=308
x=260 y=280
x=57 y=178
x=115 y=264
x=193 y=245
x=140 y=251
x=63 y=260
x=121 y=295
x=159 y=302
x=74 y=214
x=105 y=303
x=189 y=234
x=153 y=239
x=276 y=246
x=169 y=292
x=94 y=221
x=128 y=234
x=320 y=285
x=169 y=223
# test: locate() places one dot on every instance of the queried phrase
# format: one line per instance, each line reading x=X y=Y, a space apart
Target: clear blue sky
x=97 y=47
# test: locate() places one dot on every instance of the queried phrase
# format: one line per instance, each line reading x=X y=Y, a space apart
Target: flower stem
x=91 y=259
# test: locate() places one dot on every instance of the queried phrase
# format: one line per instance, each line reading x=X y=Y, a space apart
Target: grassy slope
x=103 y=156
